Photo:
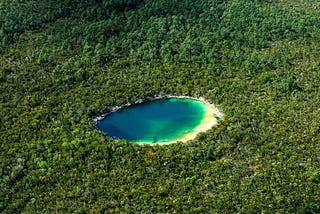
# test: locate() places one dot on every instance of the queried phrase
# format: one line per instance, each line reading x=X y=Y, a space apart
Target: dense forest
x=63 y=62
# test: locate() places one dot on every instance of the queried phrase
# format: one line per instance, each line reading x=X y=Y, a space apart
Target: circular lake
x=160 y=121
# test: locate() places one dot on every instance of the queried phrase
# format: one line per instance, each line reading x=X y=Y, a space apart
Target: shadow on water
x=159 y=135
x=115 y=131
x=155 y=139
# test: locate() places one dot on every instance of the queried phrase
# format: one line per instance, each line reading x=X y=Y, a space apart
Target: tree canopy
x=63 y=62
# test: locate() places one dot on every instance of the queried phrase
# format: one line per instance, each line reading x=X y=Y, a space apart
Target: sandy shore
x=208 y=121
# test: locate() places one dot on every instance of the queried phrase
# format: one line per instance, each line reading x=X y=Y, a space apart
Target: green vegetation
x=63 y=62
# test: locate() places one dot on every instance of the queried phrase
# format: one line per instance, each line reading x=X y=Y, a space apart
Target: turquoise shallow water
x=154 y=122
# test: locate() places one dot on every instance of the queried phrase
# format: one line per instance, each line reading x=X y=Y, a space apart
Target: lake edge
x=211 y=117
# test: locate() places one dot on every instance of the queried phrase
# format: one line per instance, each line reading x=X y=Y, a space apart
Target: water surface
x=157 y=121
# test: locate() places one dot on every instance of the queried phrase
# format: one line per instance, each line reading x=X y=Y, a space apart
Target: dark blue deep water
x=157 y=121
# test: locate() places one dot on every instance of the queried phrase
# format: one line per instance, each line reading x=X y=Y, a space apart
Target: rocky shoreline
x=152 y=98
